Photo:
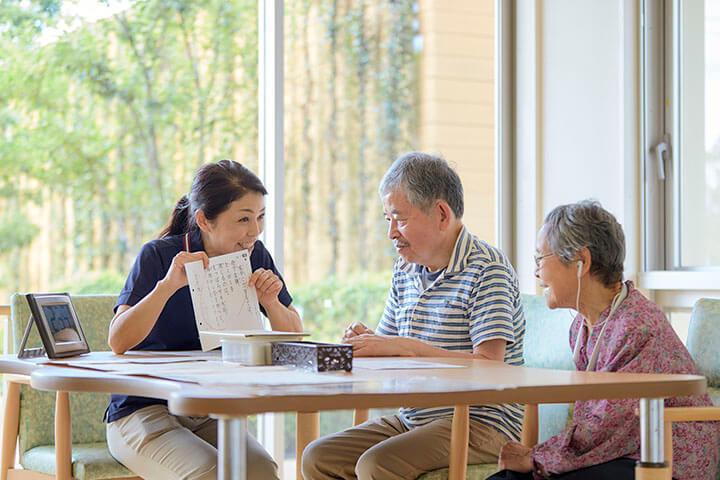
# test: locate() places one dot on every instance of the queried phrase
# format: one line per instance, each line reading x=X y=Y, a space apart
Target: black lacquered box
x=315 y=356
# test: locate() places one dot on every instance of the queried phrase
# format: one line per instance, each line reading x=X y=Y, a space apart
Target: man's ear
x=445 y=214
x=202 y=221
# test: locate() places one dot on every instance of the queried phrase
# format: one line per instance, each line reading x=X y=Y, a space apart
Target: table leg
x=652 y=464
x=232 y=448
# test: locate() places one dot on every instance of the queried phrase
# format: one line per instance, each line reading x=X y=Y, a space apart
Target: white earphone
x=580 y=265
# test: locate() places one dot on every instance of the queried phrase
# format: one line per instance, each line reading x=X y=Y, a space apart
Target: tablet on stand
x=58 y=326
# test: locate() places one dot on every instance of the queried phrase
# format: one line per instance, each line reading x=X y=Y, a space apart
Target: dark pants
x=619 y=469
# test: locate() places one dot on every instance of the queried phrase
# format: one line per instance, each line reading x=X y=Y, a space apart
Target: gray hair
x=586 y=224
x=424 y=178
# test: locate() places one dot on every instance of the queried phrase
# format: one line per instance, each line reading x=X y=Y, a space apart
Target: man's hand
x=355 y=329
x=515 y=456
x=371 y=345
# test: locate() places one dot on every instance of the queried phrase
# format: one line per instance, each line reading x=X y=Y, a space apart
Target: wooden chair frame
x=459 y=438
x=11 y=422
x=63 y=435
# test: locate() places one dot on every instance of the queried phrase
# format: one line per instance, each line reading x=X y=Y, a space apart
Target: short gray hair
x=424 y=178
x=586 y=224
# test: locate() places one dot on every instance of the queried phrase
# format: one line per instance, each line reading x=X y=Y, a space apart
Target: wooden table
x=480 y=382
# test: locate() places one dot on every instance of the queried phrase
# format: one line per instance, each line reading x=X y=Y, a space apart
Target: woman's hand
x=176 y=277
x=267 y=285
x=355 y=329
x=516 y=457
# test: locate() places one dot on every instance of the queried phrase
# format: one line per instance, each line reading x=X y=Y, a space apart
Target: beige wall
x=457 y=110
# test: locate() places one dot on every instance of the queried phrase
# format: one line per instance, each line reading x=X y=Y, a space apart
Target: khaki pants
x=158 y=446
x=384 y=448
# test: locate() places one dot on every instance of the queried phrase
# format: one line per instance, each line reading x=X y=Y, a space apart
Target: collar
x=458 y=257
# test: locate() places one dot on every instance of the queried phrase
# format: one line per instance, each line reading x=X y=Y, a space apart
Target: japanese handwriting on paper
x=221 y=298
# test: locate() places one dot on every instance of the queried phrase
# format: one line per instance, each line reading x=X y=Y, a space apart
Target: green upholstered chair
x=546 y=346
x=702 y=343
x=35 y=412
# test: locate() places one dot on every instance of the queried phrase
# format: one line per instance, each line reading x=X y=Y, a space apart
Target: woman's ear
x=584 y=256
x=202 y=221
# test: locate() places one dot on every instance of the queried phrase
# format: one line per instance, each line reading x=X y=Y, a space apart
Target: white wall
x=576 y=121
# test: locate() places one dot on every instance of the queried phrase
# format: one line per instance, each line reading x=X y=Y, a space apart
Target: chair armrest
x=11 y=420
x=684 y=414
x=692 y=414
x=530 y=426
x=63 y=437
x=361 y=415
x=307 y=430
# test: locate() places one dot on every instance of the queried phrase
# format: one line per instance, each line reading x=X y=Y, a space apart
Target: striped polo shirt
x=474 y=300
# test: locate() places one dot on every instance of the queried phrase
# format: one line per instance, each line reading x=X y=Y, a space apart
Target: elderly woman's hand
x=516 y=457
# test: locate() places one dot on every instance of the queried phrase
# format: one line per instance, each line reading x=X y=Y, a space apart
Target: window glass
x=351 y=107
x=699 y=125
x=106 y=110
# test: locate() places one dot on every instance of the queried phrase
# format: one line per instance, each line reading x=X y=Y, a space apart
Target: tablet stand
x=24 y=352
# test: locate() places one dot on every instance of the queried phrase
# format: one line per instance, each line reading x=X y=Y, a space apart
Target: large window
x=698 y=133
x=682 y=134
x=107 y=109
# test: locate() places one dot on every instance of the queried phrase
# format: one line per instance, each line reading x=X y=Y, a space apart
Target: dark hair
x=424 y=178
x=586 y=224
x=214 y=188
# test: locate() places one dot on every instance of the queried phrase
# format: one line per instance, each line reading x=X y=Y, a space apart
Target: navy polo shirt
x=175 y=328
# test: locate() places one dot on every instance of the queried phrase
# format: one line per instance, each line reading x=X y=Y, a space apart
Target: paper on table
x=398 y=363
x=221 y=297
x=265 y=376
x=257 y=335
x=224 y=373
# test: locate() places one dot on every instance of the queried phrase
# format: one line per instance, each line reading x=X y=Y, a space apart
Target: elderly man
x=452 y=295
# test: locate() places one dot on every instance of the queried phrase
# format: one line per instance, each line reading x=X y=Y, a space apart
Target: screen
x=61 y=322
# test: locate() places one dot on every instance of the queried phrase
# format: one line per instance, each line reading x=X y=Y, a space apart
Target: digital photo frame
x=57 y=324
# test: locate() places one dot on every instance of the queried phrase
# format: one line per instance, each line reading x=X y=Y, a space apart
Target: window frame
x=673 y=286
x=271 y=166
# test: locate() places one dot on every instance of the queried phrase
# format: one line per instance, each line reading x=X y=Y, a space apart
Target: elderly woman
x=579 y=262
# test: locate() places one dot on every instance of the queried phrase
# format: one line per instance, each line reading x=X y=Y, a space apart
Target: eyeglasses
x=540 y=257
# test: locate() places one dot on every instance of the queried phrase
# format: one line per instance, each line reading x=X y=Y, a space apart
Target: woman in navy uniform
x=223 y=213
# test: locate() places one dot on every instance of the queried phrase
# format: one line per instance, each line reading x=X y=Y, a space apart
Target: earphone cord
x=577 y=298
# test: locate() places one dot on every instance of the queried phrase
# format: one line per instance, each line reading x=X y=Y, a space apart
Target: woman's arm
x=284 y=319
x=132 y=324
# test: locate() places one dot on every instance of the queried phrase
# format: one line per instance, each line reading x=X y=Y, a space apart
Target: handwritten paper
x=221 y=297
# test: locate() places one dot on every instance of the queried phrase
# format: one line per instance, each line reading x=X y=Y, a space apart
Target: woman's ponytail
x=179 y=219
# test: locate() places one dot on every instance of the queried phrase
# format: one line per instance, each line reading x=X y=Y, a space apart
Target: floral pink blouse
x=638 y=339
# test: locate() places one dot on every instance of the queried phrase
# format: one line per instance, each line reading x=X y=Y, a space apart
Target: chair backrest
x=704 y=337
x=547 y=346
x=37 y=409
x=546 y=335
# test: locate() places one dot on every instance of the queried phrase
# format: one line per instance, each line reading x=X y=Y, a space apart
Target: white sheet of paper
x=221 y=297
x=266 y=377
x=398 y=363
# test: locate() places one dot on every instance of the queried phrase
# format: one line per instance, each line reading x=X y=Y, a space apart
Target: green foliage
x=93 y=283
x=103 y=125
x=327 y=307
x=16 y=231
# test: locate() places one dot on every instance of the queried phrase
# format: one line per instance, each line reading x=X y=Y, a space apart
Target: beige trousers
x=157 y=445
x=385 y=449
